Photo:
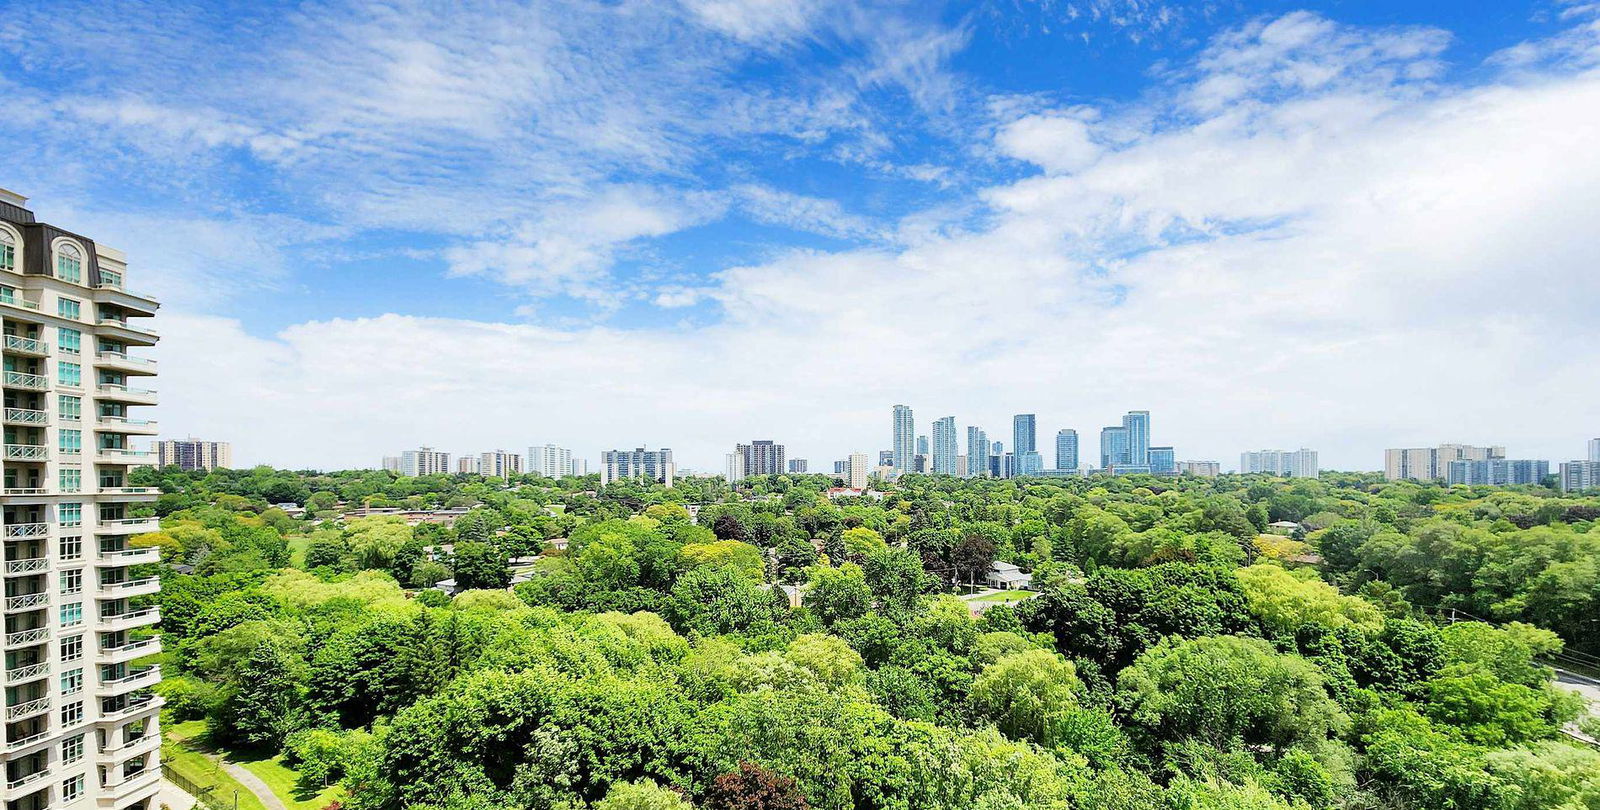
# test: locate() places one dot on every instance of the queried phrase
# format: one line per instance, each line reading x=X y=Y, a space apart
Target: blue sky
x=492 y=224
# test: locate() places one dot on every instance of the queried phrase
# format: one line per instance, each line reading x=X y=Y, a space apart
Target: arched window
x=8 y=250
x=69 y=263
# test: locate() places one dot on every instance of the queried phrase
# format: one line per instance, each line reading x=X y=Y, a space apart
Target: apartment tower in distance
x=1300 y=463
x=193 y=454
x=81 y=727
x=424 y=461
x=944 y=446
x=1066 y=449
x=904 y=438
x=1432 y=463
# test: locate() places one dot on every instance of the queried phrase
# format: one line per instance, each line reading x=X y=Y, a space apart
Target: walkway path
x=1589 y=688
x=263 y=792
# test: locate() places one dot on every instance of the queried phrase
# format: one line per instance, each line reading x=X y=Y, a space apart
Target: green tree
x=480 y=565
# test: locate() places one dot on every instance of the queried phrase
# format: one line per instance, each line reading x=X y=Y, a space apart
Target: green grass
x=189 y=745
x=1005 y=596
x=298 y=543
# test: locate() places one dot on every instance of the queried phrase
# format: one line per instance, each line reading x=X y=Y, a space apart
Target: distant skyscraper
x=655 y=465
x=1137 y=423
x=1066 y=449
x=944 y=446
x=886 y=458
x=856 y=471
x=733 y=465
x=1204 y=469
x=1163 y=461
x=922 y=445
x=193 y=454
x=391 y=464
x=424 y=461
x=797 y=465
x=761 y=457
x=1594 y=449
x=840 y=466
x=469 y=465
x=550 y=461
x=997 y=455
x=977 y=451
x=499 y=464
x=1496 y=471
x=1023 y=435
x=905 y=435
x=1432 y=463
x=1579 y=476
x=1113 y=447
x=1300 y=463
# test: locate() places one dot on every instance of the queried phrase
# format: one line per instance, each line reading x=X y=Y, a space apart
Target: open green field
x=191 y=755
x=1005 y=597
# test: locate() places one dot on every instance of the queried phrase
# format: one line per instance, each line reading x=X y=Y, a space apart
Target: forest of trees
x=1393 y=651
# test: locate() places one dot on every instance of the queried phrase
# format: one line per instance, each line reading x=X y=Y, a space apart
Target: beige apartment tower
x=193 y=454
x=81 y=726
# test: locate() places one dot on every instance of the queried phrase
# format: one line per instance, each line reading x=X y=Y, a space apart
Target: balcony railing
x=133 y=706
x=24 y=742
x=27 y=452
x=24 y=781
x=132 y=556
x=30 y=636
x=27 y=600
x=28 y=709
x=129 y=585
x=132 y=618
x=124 y=357
x=27 y=529
x=27 y=566
x=22 y=379
x=124 y=324
x=151 y=673
x=143 y=646
x=123 y=452
x=117 y=388
x=27 y=416
x=25 y=345
x=123 y=420
x=17 y=301
x=27 y=673
x=113 y=523
x=25 y=491
x=130 y=490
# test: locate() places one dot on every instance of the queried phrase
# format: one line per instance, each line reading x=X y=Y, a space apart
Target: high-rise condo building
x=1496 y=471
x=424 y=461
x=551 y=461
x=1594 y=449
x=1066 y=449
x=469 y=465
x=886 y=459
x=1024 y=435
x=797 y=466
x=1204 y=469
x=977 y=451
x=1137 y=423
x=856 y=471
x=733 y=465
x=1432 y=463
x=905 y=433
x=922 y=445
x=997 y=455
x=1163 y=461
x=1114 y=447
x=193 y=454
x=653 y=465
x=391 y=464
x=499 y=464
x=81 y=722
x=1300 y=463
x=944 y=446
x=761 y=457
x=1579 y=476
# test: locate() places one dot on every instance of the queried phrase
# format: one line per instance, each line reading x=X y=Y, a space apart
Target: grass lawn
x=298 y=543
x=189 y=742
x=1004 y=597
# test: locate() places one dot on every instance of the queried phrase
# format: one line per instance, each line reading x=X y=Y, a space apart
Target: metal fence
x=204 y=795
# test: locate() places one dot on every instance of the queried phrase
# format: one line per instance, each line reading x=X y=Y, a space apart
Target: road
x=1589 y=688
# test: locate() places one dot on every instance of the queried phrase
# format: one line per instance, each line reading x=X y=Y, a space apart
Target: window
x=72 y=615
x=71 y=548
x=72 y=681
x=71 y=648
x=69 y=263
x=69 y=308
x=70 y=514
x=69 y=373
x=72 y=714
x=72 y=750
x=72 y=581
x=70 y=407
x=70 y=341
x=71 y=480
x=72 y=788
x=71 y=441
x=8 y=250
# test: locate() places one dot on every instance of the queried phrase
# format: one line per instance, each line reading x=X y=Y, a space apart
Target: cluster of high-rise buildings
x=547 y=460
x=193 y=454
x=1583 y=474
x=81 y=726
x=1473 y=464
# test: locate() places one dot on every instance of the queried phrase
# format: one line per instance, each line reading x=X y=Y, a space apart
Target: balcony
x=132 y=784
x=132 y=556
x=134 y=707
x=132 y=525
x=27 y=601
x=122 y=455
x=149 y=676
x=133 y=587
x=119 y=295
x=33 y=781
x=122 y=424
x=26 y=416
x=24 y=638
x=129 y=620
x=26 y=381
x=152 y=491
x=128 y=331
x=28 y=566
x=32 y=739
x=27 y=452
x=122 y=393
x=17 y=344
x=128 y=652
x=26 y=710
x=25 y=492
x=143 y=744
x=28 y=673
x=15 y=530
x=14 y=299
x=124 y=362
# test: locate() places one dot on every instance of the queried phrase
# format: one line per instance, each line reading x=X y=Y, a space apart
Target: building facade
x=857 y=471
x=797 y=466
x=1204 y=469
x=1114 y=448
x=1579 y=476
x=424 y=461
x=499 y=464
x=654 y=465
x=1432 y=463
x=193 y=454
x=904 y=439
x=1066 y=449
x=733 y=466
x=977 y=452
x=469 y=465
x=81 y=723
x=1163 y=461
x=761 y=457
x=1594 y=449
x=391 y=464
x=1137 y=425
x=944 y=446
x=1497 y=471
x=1024 y=434
x=1300 y=463
x=550 y=461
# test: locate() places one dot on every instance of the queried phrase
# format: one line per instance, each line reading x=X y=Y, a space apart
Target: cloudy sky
x=1345 y=225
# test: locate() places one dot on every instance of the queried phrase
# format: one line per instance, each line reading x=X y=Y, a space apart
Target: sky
x=491 y=224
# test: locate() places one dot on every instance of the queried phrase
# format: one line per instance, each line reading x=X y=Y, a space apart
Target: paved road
x=1589 y=688
x=268 y=799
